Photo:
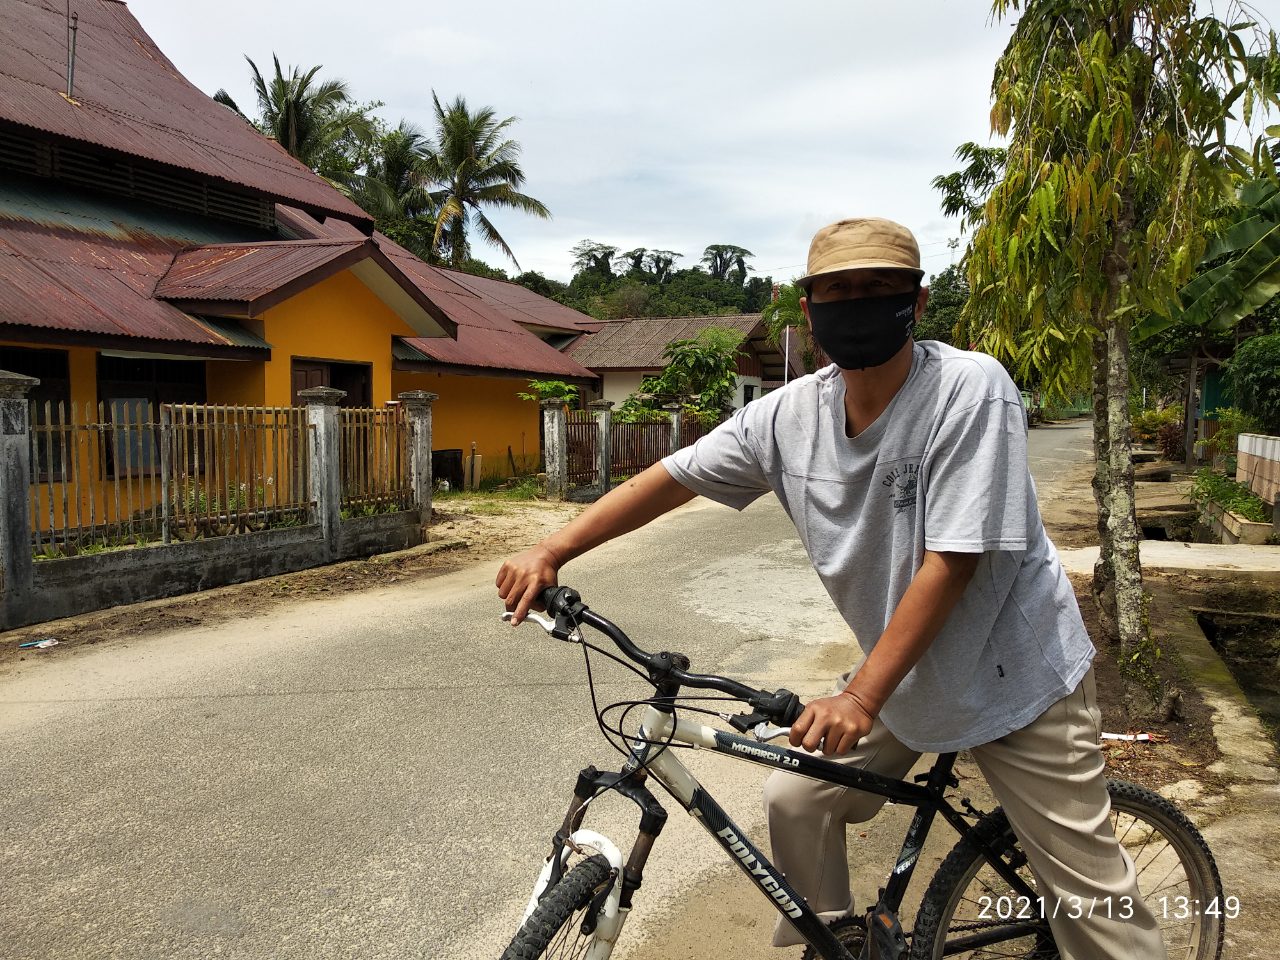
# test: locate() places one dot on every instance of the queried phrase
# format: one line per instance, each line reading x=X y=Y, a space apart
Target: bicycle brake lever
x=543 y=622
x=764 y=733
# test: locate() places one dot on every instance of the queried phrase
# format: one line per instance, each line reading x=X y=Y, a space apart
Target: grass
x=524 y=488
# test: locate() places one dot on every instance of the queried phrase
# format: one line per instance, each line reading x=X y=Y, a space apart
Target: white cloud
x=665 y=124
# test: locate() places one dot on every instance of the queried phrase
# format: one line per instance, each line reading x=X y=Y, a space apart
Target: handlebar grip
x=559 y=600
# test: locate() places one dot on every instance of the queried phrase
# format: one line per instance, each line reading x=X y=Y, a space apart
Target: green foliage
x=1228 y=494
x=1148 y=424
x=478 y=268
x=544 y=287
x=1231 y=423
x=1254 y=375
x=643 y=282
x=550 y=390
x=726 y=262
x=1240 y=269
x=701 y=373
x=306 y=117
x=948 y=294
x=785 y=312
x=476 y=168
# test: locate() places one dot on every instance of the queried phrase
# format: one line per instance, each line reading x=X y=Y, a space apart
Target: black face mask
x=864 y=332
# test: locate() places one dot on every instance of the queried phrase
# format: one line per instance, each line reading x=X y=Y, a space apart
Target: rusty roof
x=490 y=337
x=130 y=99
x=523 y=305
x=638 y=344
x=76 y=266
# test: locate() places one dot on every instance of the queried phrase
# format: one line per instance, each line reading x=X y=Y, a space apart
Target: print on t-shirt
x=902 y=482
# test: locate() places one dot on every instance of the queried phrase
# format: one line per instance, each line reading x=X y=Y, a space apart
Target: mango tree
x=1115 y=114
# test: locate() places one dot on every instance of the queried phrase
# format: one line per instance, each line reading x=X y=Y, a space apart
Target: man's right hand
x=523 y=577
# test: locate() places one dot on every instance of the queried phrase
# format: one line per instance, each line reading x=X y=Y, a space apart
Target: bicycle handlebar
x=565 y=604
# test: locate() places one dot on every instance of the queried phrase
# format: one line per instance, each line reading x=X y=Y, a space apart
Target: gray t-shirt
x=944 y=468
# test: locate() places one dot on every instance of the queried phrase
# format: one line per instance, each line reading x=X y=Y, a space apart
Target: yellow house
x=154 y=248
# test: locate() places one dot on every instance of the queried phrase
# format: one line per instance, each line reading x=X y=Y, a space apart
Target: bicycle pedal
x=888 y=942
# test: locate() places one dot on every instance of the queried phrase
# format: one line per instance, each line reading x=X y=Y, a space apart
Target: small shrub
x=1228 y=494
x=550 y=390
x=1170 y=440
x=1147 y=426
x=1231 y=423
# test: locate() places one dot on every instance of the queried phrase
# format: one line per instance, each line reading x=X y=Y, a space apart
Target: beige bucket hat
x=862 y=243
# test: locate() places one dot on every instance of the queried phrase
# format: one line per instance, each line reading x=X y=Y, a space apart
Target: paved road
x=372 y=776
x=366 y=777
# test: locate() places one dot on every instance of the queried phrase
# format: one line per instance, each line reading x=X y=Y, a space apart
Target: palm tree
x=308 y=120
x=395 y=186
x=475 y=167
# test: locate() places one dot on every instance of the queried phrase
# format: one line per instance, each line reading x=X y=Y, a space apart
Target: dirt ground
x=468 y=531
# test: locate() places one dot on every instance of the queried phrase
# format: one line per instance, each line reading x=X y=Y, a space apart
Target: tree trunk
x=1104 y=585
x=1143 y=688
x=1189 y=414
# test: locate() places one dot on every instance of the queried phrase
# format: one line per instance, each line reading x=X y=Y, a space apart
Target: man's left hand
x=836 y=723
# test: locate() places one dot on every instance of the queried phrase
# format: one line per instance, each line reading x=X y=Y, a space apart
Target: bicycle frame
x=648 y=752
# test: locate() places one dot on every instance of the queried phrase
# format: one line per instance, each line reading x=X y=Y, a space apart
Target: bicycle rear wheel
x=554 y=929
x=969 y=903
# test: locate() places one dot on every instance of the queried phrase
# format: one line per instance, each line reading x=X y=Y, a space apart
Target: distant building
x=623 y=352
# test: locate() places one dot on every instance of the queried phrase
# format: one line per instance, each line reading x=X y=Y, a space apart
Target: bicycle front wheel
x=554 y=929
x=970 y=911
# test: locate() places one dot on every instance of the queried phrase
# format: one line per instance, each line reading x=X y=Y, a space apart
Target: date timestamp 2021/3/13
x=1076 y=908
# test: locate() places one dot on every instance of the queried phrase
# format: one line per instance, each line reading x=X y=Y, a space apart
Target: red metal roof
x=247 y=271
x=71 y=263
x=130 y=99
x=487 y=337
x=490 y=335
x=523 y=305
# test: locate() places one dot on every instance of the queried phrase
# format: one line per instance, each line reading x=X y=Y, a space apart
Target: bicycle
x=981 y=902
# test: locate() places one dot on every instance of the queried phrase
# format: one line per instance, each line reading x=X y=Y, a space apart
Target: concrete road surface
x=375 y=776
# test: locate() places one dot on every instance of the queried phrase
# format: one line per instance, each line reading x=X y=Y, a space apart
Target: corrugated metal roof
x=523 y=305
x=129 y=98
x=247 y=271
x=489 y=334
x=232 y=332
x=640 y=343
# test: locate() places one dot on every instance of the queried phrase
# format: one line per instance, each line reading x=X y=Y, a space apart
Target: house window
x=150 y=380
x=748 y=393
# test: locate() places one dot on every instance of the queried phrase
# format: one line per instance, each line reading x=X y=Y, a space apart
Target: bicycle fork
x=608 y=910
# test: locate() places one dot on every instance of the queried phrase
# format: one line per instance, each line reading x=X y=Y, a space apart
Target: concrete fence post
x=676 y=410
x=604 y=443
x=556 y=430
x=16 y=563
x=326 y=462
x=417 y=419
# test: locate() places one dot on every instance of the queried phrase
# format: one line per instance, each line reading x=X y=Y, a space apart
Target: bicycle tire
x=1163 y=843
x=553 y=930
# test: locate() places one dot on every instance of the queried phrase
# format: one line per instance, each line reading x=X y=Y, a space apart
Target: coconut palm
x=396 y=187
x=308 y=119
x=475 y=167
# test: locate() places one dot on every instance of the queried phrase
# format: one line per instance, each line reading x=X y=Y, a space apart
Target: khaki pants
x=1049 y=779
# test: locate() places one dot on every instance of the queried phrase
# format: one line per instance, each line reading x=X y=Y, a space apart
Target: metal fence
x=375 y=461
x=128 y=472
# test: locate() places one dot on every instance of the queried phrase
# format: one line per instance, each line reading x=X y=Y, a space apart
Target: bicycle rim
x=969 y=902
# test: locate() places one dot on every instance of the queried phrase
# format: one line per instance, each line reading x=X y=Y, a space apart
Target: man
x=904 y=469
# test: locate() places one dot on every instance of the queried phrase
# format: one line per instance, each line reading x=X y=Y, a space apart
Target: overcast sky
x=663 y=124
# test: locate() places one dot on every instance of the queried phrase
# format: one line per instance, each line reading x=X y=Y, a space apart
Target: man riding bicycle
x=904 y=468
